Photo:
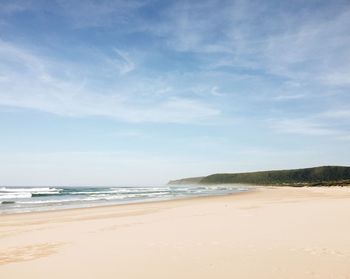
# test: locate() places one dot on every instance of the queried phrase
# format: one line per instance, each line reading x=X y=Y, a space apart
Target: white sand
x=268 y=233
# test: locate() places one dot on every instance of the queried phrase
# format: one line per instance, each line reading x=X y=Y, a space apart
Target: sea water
x=28 y=199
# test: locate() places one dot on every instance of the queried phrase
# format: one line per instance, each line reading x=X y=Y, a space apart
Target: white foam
x=82 y=197
x=15 y=196
x=27 y=189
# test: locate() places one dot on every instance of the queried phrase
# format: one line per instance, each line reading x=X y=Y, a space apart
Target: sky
x=141 y=92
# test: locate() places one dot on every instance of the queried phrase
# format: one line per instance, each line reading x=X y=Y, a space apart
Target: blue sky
x=140 y=92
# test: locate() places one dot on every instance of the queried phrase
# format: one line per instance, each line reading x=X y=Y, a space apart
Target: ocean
x=28 y=199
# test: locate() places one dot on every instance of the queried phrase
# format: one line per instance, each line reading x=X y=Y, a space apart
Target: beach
x=267 y=232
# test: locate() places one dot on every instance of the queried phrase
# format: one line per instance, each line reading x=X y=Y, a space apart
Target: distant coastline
x=316 y=176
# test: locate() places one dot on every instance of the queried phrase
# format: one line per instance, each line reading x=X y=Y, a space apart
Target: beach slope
x=265 y=233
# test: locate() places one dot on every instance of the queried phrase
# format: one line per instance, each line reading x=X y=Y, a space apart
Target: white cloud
x=345 y=137
x=289 y=97
x=35 y=82
x=299 y=46
x=124 y=64
x=336 y=77
x=331 y=124
x=90 y=13
x=14 y=6
x=337 y=113
x=215 y=91
x=301 y=127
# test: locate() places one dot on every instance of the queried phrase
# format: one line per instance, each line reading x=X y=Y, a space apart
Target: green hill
x=318 y=176
x=191 y=180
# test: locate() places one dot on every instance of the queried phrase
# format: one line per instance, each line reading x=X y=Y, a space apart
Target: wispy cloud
x=321 y=124
x=216 y=91
x=35 y=82
x=250 y=84
x=337 y=114
x=238 y=39
x=289 y=97
x=337 y=77
x=287 y=44
x=301 y=127
x=14 y=6
x=125 y=64
x=102 y=13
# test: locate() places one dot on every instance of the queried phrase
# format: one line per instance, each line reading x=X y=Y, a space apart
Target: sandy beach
x=265 y=233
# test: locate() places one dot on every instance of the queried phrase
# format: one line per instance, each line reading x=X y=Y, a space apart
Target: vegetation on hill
x=191 y=180
x=318 y=176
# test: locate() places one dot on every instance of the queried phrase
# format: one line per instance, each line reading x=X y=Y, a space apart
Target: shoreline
x=122 y=203
x=267 y=232
x=131 y=204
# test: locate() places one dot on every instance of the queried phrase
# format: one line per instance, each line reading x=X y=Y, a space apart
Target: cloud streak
x=34 y=82
x=242 y=34
x=301 y=127
x=184 y=62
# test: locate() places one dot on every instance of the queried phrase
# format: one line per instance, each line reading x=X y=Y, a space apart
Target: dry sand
x=267 y=233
